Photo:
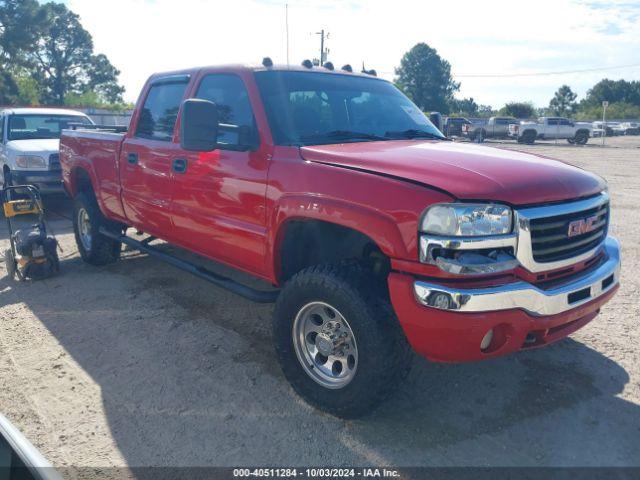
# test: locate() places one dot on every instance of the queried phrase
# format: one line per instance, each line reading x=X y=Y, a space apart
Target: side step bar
x=258 y=296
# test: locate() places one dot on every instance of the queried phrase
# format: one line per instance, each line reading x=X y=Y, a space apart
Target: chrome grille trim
x=526 y=223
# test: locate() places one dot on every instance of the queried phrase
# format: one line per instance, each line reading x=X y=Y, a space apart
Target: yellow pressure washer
x=33 y=254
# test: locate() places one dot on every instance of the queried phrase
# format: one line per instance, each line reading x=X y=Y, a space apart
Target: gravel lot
x=140 y=364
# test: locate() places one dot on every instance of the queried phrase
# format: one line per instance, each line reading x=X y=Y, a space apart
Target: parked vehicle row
x=529 y=132
x=379 y=233
x=613 y=129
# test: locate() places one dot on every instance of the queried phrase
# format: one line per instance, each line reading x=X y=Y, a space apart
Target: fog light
x=486 y=341
x=440 y=300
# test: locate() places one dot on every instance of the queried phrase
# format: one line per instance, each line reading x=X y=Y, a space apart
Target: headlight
x=467 y=220
x=31 y=161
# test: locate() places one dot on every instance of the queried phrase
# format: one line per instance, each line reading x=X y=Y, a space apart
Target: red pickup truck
x=376 y=234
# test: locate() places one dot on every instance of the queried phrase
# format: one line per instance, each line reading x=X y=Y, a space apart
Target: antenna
x=286 y=21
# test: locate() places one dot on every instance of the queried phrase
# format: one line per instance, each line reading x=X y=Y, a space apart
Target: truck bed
x=98 y=152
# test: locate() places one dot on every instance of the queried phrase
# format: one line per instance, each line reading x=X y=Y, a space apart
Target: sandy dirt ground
x=140 y=364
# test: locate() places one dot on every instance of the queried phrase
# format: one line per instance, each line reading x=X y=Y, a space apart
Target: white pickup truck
x=29 y=143
x=551 y=128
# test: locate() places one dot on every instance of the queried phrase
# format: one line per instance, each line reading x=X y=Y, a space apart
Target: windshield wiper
x=415 y=133
x=343 y=135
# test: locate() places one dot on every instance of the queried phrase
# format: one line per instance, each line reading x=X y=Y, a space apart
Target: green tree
x=485 y=111
x=426 y=78
x=21 y=22
x=518 y=110
x=65 y=62
x=103 y=79
x=563 y=102
x=613 y=91
x=617 y=110
x=465 y=106
x=28 y=89
x=8 y=89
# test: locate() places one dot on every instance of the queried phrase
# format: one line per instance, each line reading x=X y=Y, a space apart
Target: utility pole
x=605 y=104
x=323 y=53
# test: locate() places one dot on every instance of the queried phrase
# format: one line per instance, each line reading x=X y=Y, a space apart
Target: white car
x=551 y=128
x=30 y=139
x=631 y=128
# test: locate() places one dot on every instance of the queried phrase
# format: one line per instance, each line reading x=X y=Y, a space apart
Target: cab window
x=160 y=110
x=237 y=128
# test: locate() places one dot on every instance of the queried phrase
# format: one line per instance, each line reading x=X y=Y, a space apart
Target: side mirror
x=199 y=125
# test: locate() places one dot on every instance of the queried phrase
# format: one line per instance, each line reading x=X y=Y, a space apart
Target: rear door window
x=160 y=110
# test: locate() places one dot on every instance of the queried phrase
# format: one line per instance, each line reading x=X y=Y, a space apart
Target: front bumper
x=47 y=181
x=525 y=296
x=521 y=315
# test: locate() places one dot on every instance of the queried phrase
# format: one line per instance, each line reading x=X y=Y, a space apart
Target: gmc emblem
x=580 y=227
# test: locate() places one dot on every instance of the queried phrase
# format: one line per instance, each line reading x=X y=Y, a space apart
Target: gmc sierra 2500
x=380 y=233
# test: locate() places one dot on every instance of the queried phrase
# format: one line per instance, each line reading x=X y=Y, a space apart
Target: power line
x=541 y=74
x=535 y=74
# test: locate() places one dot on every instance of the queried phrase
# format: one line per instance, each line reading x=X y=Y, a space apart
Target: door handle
x=132 y=158
x=180 y=165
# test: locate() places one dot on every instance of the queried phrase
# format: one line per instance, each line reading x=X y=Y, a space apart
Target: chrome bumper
x=525 y=296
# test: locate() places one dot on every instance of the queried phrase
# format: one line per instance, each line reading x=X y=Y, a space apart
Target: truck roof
x=262 y=68
x=42 y=111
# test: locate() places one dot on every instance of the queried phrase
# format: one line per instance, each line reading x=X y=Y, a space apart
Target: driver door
x=218 y=202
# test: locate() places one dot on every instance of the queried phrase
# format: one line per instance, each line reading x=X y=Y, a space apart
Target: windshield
x=310 y=108
x=30 y=127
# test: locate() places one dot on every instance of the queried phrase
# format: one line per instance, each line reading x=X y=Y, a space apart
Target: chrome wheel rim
x=325 y=345
x=84 y=229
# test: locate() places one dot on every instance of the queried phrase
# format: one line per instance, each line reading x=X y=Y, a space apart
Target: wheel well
x=582 y=130
x=313 y=242
x=82 y=181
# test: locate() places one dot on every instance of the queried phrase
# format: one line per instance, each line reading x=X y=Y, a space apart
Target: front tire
x=94 y=247
x=339 y=344
x=529 y=137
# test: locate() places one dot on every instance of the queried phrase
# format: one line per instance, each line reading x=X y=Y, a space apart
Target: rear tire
x=581 y=138
x=349 y=378
x=94 y=247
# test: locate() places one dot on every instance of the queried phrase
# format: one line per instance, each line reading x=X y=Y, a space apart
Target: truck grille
x=552 y=240
x=54 y=161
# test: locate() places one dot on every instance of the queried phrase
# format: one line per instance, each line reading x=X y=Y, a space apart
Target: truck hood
x=25 y=147
x=466 y=171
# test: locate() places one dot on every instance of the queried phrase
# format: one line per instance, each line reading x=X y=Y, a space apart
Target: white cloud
x=476 y=37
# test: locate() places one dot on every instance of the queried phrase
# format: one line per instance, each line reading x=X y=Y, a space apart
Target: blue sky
x=477 y=37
